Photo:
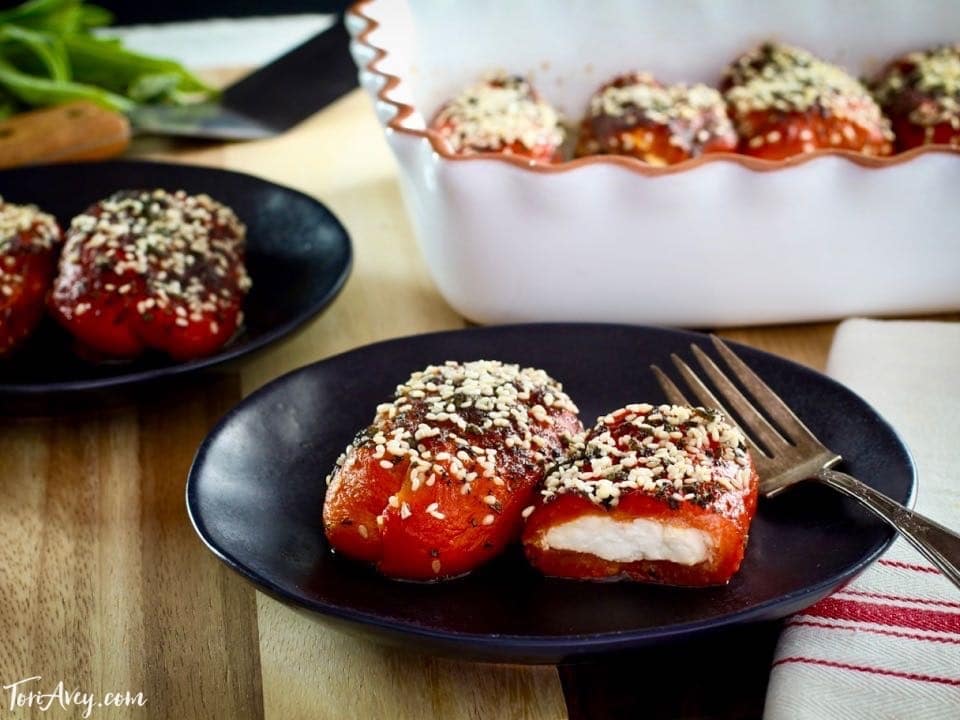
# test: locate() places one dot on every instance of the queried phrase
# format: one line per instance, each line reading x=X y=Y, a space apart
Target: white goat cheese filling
x=630 y=541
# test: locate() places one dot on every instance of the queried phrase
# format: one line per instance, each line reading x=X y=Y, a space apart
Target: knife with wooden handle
x=265 y=103
x=65 y=133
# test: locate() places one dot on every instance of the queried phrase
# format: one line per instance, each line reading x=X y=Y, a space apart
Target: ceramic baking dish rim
x=402 y=111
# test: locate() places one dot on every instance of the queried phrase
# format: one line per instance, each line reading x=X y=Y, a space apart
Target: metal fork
x=789 y=453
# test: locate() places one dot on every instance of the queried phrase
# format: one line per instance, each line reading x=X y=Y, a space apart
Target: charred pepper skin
x=637 y=116
x=501 y=114
x=29 y=241
x=920 y=94
x=152 y=270
x=786 y=102
x=438 y=484
x=673 y=466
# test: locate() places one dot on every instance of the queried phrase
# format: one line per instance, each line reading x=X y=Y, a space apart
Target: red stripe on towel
x=876 y=631
x=914 y=618
x=902 y=598
x=866 y=669
x=908 y=566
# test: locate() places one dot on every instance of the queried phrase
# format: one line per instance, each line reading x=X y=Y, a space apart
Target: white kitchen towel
x=887 y=645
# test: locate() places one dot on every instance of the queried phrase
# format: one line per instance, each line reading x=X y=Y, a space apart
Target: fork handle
x=935 y=542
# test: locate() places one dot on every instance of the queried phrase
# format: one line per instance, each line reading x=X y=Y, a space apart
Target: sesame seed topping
x=420 y=428
x=489 y=519
x=785 y=79
x=497 y=112
x=924 y=87
x=26 y=226
x=416 y=437
x=671 y=451
x=182 y=254
x=694 y=115
x=24 y=230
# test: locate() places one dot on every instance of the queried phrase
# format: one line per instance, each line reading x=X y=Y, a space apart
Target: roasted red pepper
x=786 y=102
x=439 y=483
x=920 y=94
x=29 y=241
x=502 y=114
x=635 y=115
x=656 y=494
x=152 y=270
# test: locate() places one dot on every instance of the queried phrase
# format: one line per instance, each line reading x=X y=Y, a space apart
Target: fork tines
x=789 y=431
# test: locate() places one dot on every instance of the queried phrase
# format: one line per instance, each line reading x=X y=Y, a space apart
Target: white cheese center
x=630 y=541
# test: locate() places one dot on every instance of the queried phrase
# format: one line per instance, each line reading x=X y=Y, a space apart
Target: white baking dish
x=721 y=240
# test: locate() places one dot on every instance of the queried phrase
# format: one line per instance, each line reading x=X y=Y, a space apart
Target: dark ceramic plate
x=256 y=490
x=298 y=255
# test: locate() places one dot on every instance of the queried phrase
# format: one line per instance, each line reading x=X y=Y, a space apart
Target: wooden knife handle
x=65 y=133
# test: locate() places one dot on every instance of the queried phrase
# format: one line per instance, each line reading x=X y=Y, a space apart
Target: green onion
x=37 y=91
x=48 y=56
x=47 y=49
x=106 y=63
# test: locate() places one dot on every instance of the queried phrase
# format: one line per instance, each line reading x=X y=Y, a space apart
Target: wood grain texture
x=103 y=583
x=807 y=344
x=311 y=672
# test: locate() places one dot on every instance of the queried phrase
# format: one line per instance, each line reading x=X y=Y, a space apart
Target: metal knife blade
x=267 y=102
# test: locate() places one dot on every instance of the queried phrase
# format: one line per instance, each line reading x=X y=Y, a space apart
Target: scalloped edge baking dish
x=721 y=240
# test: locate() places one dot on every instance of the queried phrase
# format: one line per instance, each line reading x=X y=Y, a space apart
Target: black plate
x=298 y=255
x=256 y=489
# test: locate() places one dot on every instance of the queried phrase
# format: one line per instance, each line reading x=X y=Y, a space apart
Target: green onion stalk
x=50 y=54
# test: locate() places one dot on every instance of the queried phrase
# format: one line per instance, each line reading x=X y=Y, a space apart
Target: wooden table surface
x=103 y=583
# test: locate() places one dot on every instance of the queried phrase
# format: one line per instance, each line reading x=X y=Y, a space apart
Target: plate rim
x=228 y=354
x=568 y=644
